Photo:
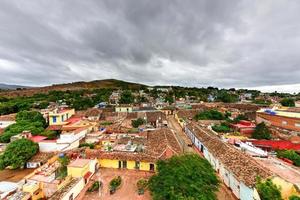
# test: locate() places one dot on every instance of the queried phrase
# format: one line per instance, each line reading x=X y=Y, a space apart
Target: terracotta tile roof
x=153 y=116
x=10 y=117
x=156 y=145
x=93 y=112
x=243 y=166
x=41 y=157
x=187 y=114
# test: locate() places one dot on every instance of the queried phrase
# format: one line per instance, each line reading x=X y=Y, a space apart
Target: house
x=271 y=145
x=140 y=153
x=236 y=169
x=93 y=114
x=286 y=119
x=60 y=116
x=244 y=127
x=38 y=160
x=67 y=140
x=7 y=188
x=114 y=98
x=69 y=191
x=7 y=120
x=124 y=108
x=82 y=168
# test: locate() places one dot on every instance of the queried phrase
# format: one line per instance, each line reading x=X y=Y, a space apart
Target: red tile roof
x=280 y=144
x=37 y=138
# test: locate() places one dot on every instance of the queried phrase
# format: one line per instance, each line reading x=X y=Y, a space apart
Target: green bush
x=136 y=123
x=115 y=183
x=18 y=153
x=91 y=146
x=289 y=154
x=184 y=177
x=289 y=102
x=209 y=115
x=294 y=197
x=267 y=190
x=262 y=132
x=96 y=185
x=222 y=128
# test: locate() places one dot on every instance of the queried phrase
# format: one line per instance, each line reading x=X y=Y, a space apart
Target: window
x=54 y=119
x=62 y=118
x=67 y=115
x=137 y=165
x=284 y=122
x=297 y=125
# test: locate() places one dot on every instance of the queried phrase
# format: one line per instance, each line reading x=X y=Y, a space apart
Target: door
x=120 y=164
x=151 y=167
x=124 y=164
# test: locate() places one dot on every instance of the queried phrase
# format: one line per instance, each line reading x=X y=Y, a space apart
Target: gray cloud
x=239 y=43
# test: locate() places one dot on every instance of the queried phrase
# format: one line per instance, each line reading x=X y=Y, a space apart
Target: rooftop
x=242 y=165
x=79 y=163
x=276 y=144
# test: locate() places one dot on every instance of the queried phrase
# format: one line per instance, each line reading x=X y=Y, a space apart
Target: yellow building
x=287 y=189
x=79 y=168
x=34 y=190
x=124 y=108
x=59 y=117
x=127 y=164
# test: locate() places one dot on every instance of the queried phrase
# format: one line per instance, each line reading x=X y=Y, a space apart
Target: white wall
x=75 y=190
x=5 y=124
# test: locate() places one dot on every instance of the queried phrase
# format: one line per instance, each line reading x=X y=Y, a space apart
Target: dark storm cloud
x=238 y=43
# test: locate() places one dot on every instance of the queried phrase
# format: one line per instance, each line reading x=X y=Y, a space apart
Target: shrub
x=262 y=132
x=184 y=177
x=136 y=123
x=142 y=184
x=267 y=190
x=114 y=184
x=91 y=146
x=209 y=115
x=289 y=102
x=96 y=185
x=222 y=128
x=18 y=153
x=294 y=197
x=289 y=154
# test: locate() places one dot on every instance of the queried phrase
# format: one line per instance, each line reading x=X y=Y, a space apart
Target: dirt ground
x=14 y=175
x=128 y=189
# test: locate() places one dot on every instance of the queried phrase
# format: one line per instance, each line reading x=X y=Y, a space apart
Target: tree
x=289 y=102
x=184 y=177
x=289 y=154
x=294 y=197
x=262 y=132
x=137 y=123
x=31 y=116
x=267 y=190
x=126 y=97
x=18 y=153
x=222 y=128
x=209 y=115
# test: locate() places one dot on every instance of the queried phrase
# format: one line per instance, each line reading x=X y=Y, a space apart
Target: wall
x=106 y=163
x=75 y=190
x=247 y=193
x=287 y=189
x=123 y=109
x=66 y=115
x=276 y=120
x=109 y=163
x=4 y=124
x=78 y=171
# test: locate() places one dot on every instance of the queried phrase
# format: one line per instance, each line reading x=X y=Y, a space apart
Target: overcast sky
x=236 y=43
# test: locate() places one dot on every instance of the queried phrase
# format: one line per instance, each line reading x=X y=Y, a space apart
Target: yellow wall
x=287 y=188
x=78 y=171
x=123 y=109
x=107 y=163
x=67 y=114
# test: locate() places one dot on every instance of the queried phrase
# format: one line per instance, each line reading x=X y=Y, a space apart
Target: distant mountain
x=107 y=83
x=11 y=87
